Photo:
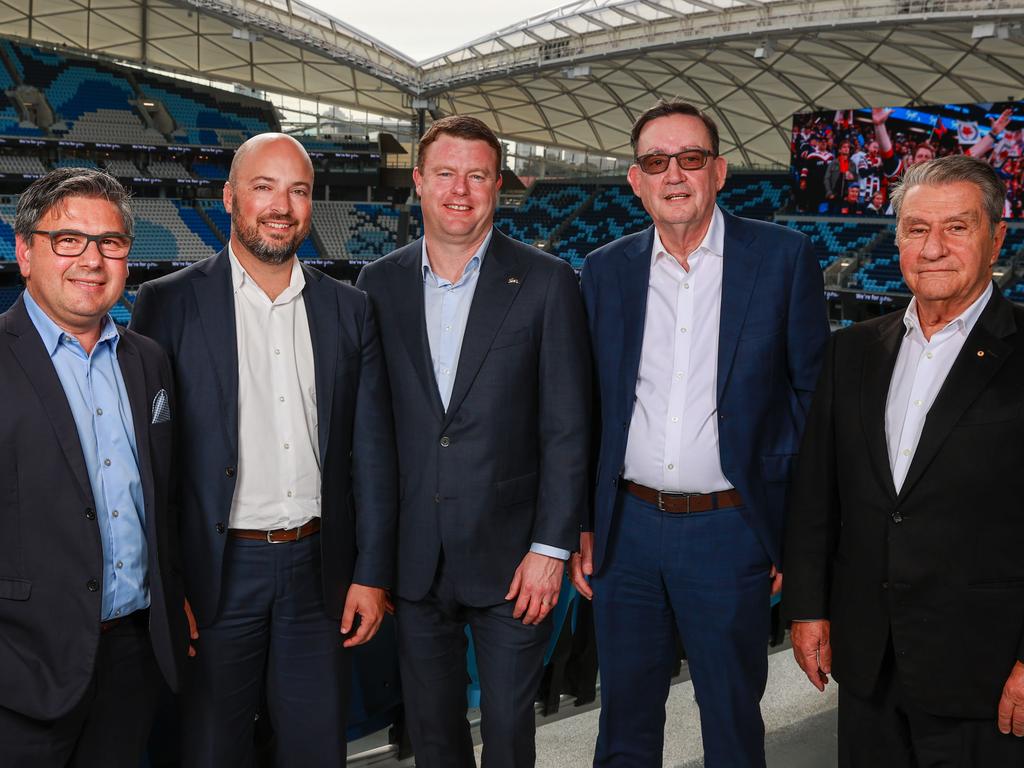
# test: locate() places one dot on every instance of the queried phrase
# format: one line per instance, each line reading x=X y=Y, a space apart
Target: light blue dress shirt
x=446 y=306
x=99 y=403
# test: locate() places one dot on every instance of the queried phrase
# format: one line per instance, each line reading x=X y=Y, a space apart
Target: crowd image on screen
x=845 y=162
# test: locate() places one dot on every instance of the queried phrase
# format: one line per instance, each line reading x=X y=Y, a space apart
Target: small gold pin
x=981 y=353
x=513 y=281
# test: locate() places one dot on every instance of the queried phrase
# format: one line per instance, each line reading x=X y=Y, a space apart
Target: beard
x=268 y=251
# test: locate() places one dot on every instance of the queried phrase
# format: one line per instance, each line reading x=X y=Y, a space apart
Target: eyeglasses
x=692 y=159
x=70 y=242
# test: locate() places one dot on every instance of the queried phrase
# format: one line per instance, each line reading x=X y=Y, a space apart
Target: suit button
x=615 y=481
x=885 y=585
x=229 y=471
x=92 y=585
x=437 y=498
x=219 y=527
x=90 y=513
x=445 y=442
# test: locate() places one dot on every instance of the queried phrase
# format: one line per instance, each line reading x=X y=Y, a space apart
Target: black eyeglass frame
x=706 y=154
x=98 y=239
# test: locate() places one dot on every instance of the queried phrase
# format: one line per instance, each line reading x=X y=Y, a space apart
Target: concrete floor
x=800 y=726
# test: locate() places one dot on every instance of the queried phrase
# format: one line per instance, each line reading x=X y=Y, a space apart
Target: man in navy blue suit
x=289 y=492
x=707 y=332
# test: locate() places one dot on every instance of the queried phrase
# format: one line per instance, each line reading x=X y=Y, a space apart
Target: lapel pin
x=512 y=281
x=981 y=353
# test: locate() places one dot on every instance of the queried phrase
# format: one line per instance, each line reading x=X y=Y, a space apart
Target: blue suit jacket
x=773 y=330
x=191 y=314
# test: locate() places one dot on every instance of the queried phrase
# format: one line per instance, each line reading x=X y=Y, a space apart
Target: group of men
x=229 y=496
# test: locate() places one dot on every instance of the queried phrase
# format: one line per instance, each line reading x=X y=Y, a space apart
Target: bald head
x=269 y=196
x=254 y=148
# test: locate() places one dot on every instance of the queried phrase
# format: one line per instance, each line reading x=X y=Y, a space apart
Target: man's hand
x=813 y=651
x=370 y=603
x=879 y=116
x=1011 y=703
x=581 y=565
x=536 y=583
x=999 y=124
x=776 y=576
x=193 y=629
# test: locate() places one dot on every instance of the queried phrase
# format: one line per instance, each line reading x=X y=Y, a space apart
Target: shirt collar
x=473 y=264
x=239 y=277
x=51 y=333
x=964 y=322
x=713 y=242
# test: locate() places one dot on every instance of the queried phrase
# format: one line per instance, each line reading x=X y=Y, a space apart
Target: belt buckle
x=661 y=502
x=270 y=539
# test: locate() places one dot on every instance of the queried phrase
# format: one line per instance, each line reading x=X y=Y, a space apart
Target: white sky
x=429 y=27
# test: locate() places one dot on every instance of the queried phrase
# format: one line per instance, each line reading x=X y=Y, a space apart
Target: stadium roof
x=577 y=76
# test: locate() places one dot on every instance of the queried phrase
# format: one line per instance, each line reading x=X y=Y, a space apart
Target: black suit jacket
x=191 y=313
x=50 y=551
x=506 y=465
x=939 y=566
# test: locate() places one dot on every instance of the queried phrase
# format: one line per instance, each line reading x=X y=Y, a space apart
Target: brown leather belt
x=685 y=503
x=142 y=615
x=279 y=535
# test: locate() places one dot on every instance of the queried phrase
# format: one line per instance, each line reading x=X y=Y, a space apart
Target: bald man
x=287 y=461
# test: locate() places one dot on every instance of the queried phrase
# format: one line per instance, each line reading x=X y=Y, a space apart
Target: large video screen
x=845 y=162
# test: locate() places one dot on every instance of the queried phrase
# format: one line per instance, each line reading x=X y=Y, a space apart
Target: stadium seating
x=355 y=230
x=167 y=169
x=214 y=209
x=614 y=212
x=210 y=171
x=756 y=196
x=833 y=239
x=881 y=272
x=546 y=207
x=162 y=234
x=123 y=169
x=19 y=164
x=198 y=225
x=76 y=162
x=10 y=122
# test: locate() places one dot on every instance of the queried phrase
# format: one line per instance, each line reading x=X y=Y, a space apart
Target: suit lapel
x=634 y=279
x=983 y=354
x=491 y=301
x=135 y=385
x=740 y=265
x=321 y=308
x=216 y=307
x=878 y=366
x=31 y=354
x=407 y=291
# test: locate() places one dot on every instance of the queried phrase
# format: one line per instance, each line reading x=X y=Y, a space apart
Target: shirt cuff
x=555 y=552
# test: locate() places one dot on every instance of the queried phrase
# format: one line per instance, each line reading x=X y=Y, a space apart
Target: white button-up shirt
x=278 y=482
x=673 y=435
x=921 y=369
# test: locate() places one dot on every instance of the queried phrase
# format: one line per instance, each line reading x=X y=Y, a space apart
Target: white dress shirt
x=921 y=369
x=278 y=482
x=673 y=436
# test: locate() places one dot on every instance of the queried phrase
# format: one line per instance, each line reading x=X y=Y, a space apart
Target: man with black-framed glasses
x=707 y=332
x=92 y=611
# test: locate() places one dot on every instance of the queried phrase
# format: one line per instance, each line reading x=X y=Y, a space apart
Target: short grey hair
x=951 y=170
x=43 y=194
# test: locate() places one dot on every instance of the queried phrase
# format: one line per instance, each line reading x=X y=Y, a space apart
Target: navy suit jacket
x=51 y=556
x=772 y=333
x=191 y=313
x=506 y=464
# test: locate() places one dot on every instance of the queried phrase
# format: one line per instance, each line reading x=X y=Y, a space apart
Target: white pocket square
x=161 y=410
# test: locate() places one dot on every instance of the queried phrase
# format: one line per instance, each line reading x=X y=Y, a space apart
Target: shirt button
x=675 y=419
x=117 y=612
x=686 y=285
x=671 y=466
x=928 y=355
x=445 y=442
x=92 y=585
x=115 y=513
x=919 y=402
x=106 y=462
x=682 y=330
x=679 y=374
x=281 y=398
x=286 y=446
x=99 y=411
x=277 y=351
x=289 y=494
x=447 y=327
x=120 y=564
x=906 y=451
x=444 y=371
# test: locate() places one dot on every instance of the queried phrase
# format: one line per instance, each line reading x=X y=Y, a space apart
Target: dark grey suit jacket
x=506 y=464
x=51 y=557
